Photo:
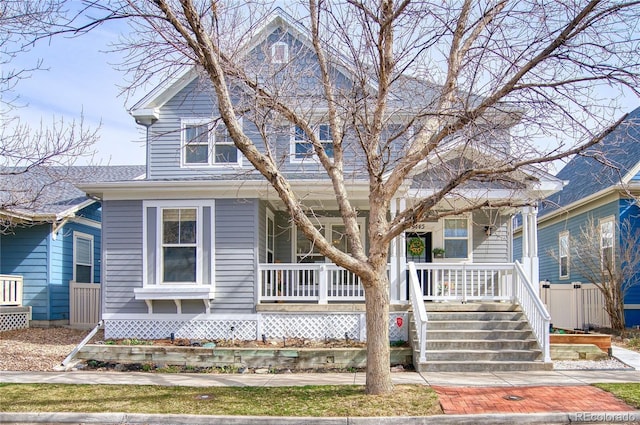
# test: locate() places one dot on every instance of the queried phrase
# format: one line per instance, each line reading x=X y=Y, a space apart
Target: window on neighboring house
x=82 y=258
x=179 y=245
x=456 y=237
x=563 y=250
x=204 y=145
x=606 y=243
x=279 y=52
x=302 y=146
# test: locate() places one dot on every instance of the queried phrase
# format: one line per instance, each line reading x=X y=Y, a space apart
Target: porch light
x=488 y=230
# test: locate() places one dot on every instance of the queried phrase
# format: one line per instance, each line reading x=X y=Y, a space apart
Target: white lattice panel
x=312 y=326
x=192 y=329
x=398 y=333
x=11 y=321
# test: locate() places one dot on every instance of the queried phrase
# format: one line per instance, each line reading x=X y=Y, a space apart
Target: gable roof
x=50 y=193
x=614 y=161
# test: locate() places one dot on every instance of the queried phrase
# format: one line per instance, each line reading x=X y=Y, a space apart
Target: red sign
x=399 y=321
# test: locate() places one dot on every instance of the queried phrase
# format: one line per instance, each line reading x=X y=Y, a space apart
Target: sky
x=79 y=79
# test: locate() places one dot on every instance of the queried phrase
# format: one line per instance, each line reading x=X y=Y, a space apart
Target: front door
x=419 y=246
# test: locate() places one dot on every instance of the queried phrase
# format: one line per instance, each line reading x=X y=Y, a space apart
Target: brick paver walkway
x=474 y=400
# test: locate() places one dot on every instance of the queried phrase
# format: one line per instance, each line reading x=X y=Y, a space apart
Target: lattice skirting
x=317 y=326
x=10 y=320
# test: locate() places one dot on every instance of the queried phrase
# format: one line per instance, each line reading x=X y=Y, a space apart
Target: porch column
x=530 y=259
x=393 y=260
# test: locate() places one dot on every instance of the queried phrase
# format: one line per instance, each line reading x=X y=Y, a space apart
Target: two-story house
x=202 y=247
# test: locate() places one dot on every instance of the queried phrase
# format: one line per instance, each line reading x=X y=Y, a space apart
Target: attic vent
x=279 y=52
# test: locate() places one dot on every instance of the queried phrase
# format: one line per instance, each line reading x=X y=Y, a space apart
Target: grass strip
x=314 y=401
x=628 y=392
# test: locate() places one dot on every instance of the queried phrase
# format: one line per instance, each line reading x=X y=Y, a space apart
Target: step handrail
x=419 y=311
x=534 y=309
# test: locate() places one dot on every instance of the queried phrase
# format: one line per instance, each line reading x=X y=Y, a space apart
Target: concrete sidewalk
x=491 y=381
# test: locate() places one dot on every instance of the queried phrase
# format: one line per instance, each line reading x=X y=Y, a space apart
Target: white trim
x=80 y=235
x=269 y=216
x=285 y=56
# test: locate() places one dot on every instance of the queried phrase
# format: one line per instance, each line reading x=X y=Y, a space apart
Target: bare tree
x=24 y=147
x=606 y=255
x=428 y=83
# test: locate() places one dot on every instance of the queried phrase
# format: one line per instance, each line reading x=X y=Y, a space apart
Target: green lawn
x=629 y=393
x=318 y=401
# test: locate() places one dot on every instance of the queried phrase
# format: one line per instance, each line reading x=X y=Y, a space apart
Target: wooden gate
x=84 y=305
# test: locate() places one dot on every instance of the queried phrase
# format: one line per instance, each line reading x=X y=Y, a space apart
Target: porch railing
x=420 y=317
x=308 y=282
x=532 y=306
x=465 y=281
x=11 y=290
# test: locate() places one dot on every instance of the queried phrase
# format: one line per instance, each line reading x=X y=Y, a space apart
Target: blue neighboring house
x=601 y=186
x=54 y=235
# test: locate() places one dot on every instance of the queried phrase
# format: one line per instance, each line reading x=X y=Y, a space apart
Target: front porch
x=13 y=315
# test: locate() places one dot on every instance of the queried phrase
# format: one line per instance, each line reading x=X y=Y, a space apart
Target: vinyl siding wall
x=495 y=247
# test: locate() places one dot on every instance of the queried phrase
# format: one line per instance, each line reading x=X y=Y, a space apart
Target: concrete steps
x=476 y=337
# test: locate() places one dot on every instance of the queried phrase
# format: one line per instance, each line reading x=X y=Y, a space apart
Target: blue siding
x=629 y=211
x=25 y=253
x=548 y=240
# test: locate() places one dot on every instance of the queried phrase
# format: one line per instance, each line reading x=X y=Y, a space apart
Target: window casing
x=279 y=52
x=301 y=146
x=178 y=243
x=606 y=243
x=563 y=254
x=456 y=237
x=207 y=143
x=82 y=258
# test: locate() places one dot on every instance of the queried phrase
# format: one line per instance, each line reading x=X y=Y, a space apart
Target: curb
x=172 y=419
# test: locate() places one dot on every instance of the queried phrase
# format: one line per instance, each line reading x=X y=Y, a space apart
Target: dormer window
x=279 y=52
x=206 y=143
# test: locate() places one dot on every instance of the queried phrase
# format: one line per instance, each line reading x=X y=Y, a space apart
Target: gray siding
x=122 y=256
x=494 y=248
x=235 y=255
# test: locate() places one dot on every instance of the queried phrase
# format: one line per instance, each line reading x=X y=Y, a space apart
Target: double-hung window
x=334 y=230
x=179 y=245
x=303 y=148
x=563 y=251
x=456 y=237
x=82 y=258
x=606 y=243
x=207 y=143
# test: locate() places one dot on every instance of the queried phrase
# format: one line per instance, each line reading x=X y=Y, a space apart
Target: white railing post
x=323 y=285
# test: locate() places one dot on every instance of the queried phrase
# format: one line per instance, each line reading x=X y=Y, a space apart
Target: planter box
x=290 y=358
x=601 y=340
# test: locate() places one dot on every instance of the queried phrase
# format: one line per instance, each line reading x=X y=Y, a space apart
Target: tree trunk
x=377 y=315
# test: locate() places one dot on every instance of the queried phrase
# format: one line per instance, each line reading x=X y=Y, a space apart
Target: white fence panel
x=574 y=305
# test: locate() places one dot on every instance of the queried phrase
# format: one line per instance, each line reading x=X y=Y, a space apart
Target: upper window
x=563 y=250
x=207 y=144
x=606 y=243
x=82 y=258
x=456 y=237
x=303 y=148
x=279 y=52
